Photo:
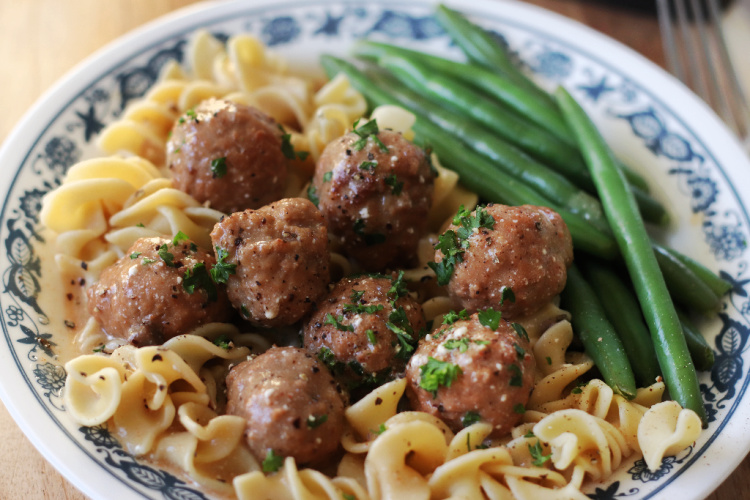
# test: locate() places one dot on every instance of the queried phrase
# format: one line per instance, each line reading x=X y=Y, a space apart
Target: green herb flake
x=381 y=429
x=146 y=261
x=549 y=360
x=470 y=418
x=520 y=351
x=398 y=289
x=399 y=324
x=326 y=356
x=506 y=294
x=461 y=344
x=330 y=319
x=99 y=348
x=348 y=496
x=166 y=255
x=368 y=166
x=482 y=342
x=362 y=309
x=368 y=130
x=179 y=238
x=190 y=114
x=272 y=462
x=244 y=311
x=490 y=318
x=537 y=453
x=448 y=243
x=312 y=195
x=198 y=277
x=396 y=185
x=529 y=434
x=370 y=239
x=135 y=255
x=371 y=336
x=435 y=374
x=287 y=148
x=140 y=224
x=222 y=270
x=452 y=316
x=519 y=408
x=316 y=421
x=516 y=379
x=219 y=167
x=327 y=176
x=521 y=331
x=223 y=341
x=357 y=295
x=467 y=223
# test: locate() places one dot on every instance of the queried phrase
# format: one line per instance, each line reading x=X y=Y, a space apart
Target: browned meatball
x=467 y=372
x=375 y=194
x=281 y=257
x=158 y=290
x=227 y=154
x=525 y=249
x=291 y=403
x=365 y=330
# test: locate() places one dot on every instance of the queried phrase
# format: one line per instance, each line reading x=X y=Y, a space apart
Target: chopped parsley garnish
x=313 y=421
x=578 y=389
x=399 y=324
x=166 y=255
x=490 y=318
x=398 y=288
x=348 y=496
x=312 y=195
x=244 y=311
x=519 y=408
x=448 y=243
x=362 y=309
x=140 y=224
x=435 y=374
x=337 y=322
x=537 y=453
x=99 y=348
x=452 y=316
x=396 y=185
x=529 y=434
x=381 y=429
x=461 y=344
x=369 y=238
x=482 y=342
x=135 y=255
x=179 y=237
x=521 y=331
x=288 y=149
x=549 y=360
x=506 y=294
x=327 y=176
x=357 y=295
x=371 y=336
x=272 y=462
x=520 y=351
x=369 y=129
x=146 y=261
x=190 y=113
x=470 y=418
x=219 y=167
x=199 y=277
x=223 y=341
x=368 y=166
x=222 y=270
x=326 y=356
x=516 y=379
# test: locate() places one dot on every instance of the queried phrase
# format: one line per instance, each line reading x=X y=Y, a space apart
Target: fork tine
x=669 y=40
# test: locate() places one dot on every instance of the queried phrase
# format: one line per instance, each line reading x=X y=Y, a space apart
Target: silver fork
x=700 y=45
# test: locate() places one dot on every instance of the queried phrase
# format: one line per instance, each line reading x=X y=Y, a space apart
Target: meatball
x=282 y=261
x=469 y=371
x=497 y=249
x=375 y=191
x=291 y=403
x=365 y=329
x=161 y=288
x=229 y=155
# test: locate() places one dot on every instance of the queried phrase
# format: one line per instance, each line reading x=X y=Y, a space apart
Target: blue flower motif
x=640 y=471
x=703 y=193
x=745 y=310
x=726 y=242
x=31 y=203
x=50 y=377
x=280 y=30
x=14 y=315
x=553 y=64
x=100 y=436
x=60 y=153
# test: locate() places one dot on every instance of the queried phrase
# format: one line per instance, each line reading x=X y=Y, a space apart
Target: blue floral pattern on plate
x=32 y=339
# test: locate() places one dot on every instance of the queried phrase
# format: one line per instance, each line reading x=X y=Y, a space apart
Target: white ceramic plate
x=695 y=166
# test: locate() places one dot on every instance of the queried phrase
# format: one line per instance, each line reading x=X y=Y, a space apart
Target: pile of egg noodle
x=105 y=204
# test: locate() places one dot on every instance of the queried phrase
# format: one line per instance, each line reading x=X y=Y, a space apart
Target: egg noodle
x=566 y=437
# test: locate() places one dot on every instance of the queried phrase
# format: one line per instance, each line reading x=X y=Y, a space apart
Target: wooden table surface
x=40 y=40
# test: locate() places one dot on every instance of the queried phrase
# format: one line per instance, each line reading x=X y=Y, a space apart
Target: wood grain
x=40 y=40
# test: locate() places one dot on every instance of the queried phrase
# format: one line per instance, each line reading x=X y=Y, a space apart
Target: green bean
x=718 y=285
x=703 y=355
x=686 y=288
x=481 y=48
x=507 y=158
x=541 y=112
x=597 y=334
x=623 y=311
x=631 y=236
x=475 y=171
